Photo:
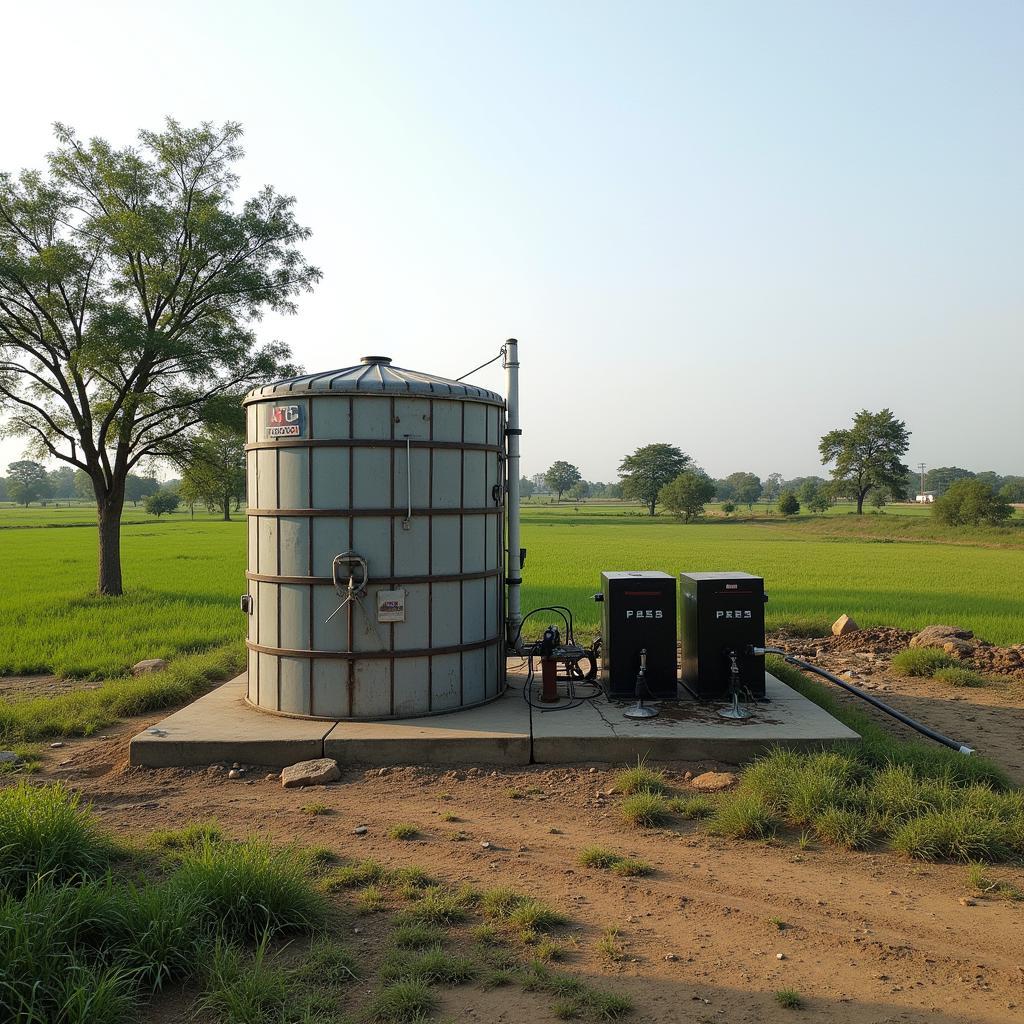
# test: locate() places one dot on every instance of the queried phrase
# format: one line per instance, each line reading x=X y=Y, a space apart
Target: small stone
x=592 y=770
x=671 y=956
x=555 y=831
x=843 y=625
x=141 y=668
x=780 y=956
x=688 y=776
x=966 y=901
x=485 y=845
x=317 y=772
x=360 y=830
x=271 y=777
x=10 y=757
x=382 y=771
x=357 y=930
x=234 y=774
x=713 y=781
x=54 y=746
x=236 y=765
x=599 y=795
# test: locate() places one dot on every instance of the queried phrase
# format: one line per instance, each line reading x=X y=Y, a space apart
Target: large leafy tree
x=129 y=282
x=561 y=476
x=867 y=455
x=649 y=469
x=969 y=502
x=745 y=488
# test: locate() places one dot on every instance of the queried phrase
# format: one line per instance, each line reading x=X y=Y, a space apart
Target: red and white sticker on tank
x=285 y=421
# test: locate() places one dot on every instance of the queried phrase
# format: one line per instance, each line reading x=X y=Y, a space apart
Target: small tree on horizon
x=649 y=469
x=868 y=455
x=687 y=494
x=560 y=477
x=213 y=467
x=162 y=501
x=789 y=504
x=27 y=481
x=970 y=502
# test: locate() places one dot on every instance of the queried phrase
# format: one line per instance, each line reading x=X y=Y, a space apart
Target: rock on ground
x=936 y=636
x=10 y=757
x=843 y=625
x=317 y=772
x=140 y=668
x=713 y=781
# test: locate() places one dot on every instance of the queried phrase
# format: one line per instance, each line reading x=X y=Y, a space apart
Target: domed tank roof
x=374 y=375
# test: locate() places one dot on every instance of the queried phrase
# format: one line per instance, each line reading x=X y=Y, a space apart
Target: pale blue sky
x=728 y=225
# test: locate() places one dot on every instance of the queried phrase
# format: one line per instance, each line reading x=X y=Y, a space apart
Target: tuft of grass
x=956 y=675
x=958 y=834
x=46 y=831
x=353 y=876
x=979 y=879
x=371 y=900
x=403 y=830
x=432 y=966
x=743 y=815
x=449 y=816
x=851 y=830
x=190 y=836
x=536 y=916
x=328 y=962
x=692 y=807
x=641 y=779
x=631 y=867
x=597 y=857
x=789 y=999
x=315 y=809
x=416 y=936
x=645 y=809
x=438 y=906
x=921 y=661
x=609 y=1005
x=239 y=987
x=402 y=1002
x=514 y=794
x=609 y=946
x=248 y=889
x=500 y=902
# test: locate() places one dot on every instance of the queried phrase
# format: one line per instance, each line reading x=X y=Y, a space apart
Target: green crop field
x=183 y=576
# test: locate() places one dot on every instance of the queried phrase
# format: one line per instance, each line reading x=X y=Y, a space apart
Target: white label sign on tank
x=391 y=606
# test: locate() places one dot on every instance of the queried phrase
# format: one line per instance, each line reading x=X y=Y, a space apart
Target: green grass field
x=183 y=576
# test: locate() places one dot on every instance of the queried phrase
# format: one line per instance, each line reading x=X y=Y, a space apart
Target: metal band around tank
x=266 y=577
x=356 y=513
x=342 y=442
x=420 y=652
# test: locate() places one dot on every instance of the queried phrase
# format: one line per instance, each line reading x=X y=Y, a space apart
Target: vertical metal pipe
x=513 y=572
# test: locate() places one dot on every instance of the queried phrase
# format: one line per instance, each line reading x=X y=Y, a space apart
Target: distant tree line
x=866 y=467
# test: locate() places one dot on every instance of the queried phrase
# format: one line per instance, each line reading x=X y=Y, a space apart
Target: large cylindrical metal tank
x=393 y=475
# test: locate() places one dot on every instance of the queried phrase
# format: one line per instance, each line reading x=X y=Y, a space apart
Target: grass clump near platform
x=921 y=661
x=250 y=889
x=402 y=1002
x=926 y=802
x=645 y=809
x=641 y=779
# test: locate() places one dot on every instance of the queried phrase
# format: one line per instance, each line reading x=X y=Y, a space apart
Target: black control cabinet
x=638 y=613
x=721 y=612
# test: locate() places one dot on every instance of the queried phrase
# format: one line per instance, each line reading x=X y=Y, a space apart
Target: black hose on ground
x=924 y=730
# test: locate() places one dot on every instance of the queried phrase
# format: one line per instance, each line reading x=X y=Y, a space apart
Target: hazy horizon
x=725 y=227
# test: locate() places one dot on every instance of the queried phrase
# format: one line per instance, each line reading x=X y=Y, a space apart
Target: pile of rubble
x=874 y=647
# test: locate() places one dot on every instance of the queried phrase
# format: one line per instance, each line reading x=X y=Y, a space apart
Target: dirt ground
x=867 y=938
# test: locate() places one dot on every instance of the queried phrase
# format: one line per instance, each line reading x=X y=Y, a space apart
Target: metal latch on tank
x=350 y=591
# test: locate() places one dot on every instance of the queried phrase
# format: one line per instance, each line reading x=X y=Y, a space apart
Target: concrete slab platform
x=220 y=726
x=495 y=733
x=685 y=731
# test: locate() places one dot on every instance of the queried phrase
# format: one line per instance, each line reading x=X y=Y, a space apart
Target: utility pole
x=920 y=466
